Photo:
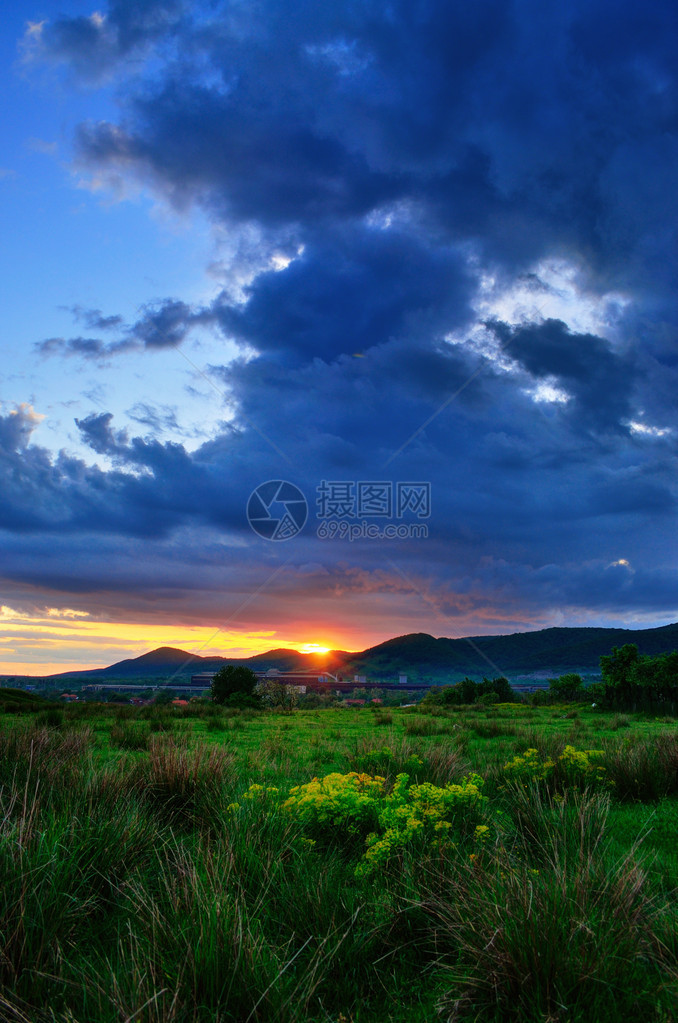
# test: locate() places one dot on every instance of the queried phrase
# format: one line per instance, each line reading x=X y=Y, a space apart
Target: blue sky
x=415 y=242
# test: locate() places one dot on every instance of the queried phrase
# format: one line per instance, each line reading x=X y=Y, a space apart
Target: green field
x=158 y=864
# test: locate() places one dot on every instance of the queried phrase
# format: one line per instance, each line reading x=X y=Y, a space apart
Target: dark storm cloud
x=403 y=161
x=97 y=432
x=152 y=489
x=246 y=167
x=583 y=364
x=493 y=531
x=162 y=325
x=351 y=293
x=497 y=119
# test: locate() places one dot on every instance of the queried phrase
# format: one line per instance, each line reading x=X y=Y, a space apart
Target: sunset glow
x=57 y=641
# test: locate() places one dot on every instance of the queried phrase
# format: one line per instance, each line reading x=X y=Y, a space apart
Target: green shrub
x=53 y=717
x=215 y=724
x=493 y=729
x=160 y=721
x=388 y=762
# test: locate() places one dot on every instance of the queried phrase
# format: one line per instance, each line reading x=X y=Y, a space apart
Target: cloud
x=158 y=418
x=583 y=365
x=94 y=319
x=163 y=324
x=350 y=293
x=400 y=174
x=82 y=347
x=93 y=46
x=17 y=426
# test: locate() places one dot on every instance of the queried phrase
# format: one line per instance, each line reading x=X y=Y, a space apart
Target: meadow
x=200 y=864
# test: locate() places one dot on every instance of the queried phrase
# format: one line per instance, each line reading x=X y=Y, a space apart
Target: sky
x=325 y=323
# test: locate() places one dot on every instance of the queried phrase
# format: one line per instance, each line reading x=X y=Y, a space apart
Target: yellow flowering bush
x=356 y=805
x=579 y=768
x=337 y=804
x=582 y=766
x=529 y=767
x=260 y=792
x=428 y=816
x=255 y=795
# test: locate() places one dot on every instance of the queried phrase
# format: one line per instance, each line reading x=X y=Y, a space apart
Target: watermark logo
x=346 y=509
x=373 y=499
x=277 y=510
x=351 y=509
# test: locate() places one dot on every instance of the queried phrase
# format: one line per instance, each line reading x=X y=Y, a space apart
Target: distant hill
x=550 y=650
x=417 y=655
x=20 y=698
x=169 y=661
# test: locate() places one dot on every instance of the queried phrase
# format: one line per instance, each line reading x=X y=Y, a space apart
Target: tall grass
x=189 y=785
x=43 y=760
x=438 y=763
x=553 y=927
x=430 y=726
x=643 y=769
x=130 y=736
x=149 y=885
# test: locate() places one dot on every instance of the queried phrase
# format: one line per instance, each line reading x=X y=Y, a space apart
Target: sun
x=314 y=648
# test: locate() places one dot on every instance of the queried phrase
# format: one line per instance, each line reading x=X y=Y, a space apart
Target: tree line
x=630 y=681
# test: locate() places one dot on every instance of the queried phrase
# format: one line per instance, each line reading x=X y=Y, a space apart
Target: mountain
x=553 y=650
x=418 y=655
x=167 y=662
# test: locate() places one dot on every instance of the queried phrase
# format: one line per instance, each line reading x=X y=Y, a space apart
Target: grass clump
x=644 y=769
x=130 y=736
x=188 y=785
x=575 y=938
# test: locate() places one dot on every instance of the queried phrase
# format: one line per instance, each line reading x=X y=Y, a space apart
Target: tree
x=631 y=678
x=658 y=676
x=277 y=695
x=165 y=696
x=617 y=668
x=618 y=671
x=465 y=691
x=468 y=690
x=501 y=686
x=566 y=687
x=235 y=685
